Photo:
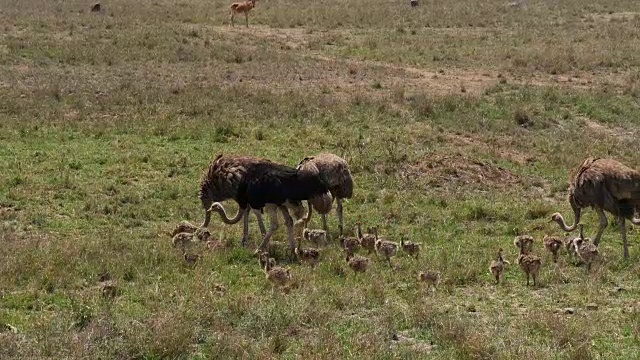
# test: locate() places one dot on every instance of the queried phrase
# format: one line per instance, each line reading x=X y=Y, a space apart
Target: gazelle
x=242 y=7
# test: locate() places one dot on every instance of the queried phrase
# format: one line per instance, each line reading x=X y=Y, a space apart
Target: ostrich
x=586 y=251
x=221 y=182
x=529 y=263
x=605 y=185
x=497 y=266
x=335 y=171
x=266 y=183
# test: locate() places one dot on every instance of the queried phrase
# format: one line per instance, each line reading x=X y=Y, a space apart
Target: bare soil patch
x=614 y=16
x=431 y=81
x=615 y=132
x=456 y=169
x=499 y=146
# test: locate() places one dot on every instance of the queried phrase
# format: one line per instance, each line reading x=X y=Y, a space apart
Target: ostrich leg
x=273 y=217
x=623 y=232
x=245 y=227
x=288 y=221
x=603 y=225
x=324 y=222
x=340 y=218
x=263 y=229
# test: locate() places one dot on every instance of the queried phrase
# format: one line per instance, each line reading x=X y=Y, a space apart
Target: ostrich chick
x=191 y=259
x=310 y=256
x=182 y=240
x=497 y=266
x=553 y=244
x=529 y=263
x=429 y=277
x=568 y=244
x=109 y=290
x=184 y=227
x=526 y=240
x=277 y=275
x=386 y=248
x=185 y=239
x=368 y=240
x=265 y=260
x=411 y=248
x=357 y=263
x=586 y=251
x=315 y=236
x=350 y=244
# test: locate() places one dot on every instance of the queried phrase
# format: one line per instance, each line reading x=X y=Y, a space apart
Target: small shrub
x=422 y=105
x=522 y=118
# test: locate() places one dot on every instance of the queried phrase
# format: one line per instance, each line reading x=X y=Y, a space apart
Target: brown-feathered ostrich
x=335 y=172
x=267 y=183
x=605 y=185
x=220 y=182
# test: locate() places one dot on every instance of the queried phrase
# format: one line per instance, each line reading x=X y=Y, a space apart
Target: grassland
x=460 y=121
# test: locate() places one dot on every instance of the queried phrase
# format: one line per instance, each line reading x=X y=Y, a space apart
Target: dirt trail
x=436 y=82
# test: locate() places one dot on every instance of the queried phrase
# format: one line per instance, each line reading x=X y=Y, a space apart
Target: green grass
x=460 y=122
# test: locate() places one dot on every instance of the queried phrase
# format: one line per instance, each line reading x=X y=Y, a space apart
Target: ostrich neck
x=207 y=219
x=568 y=228
x=576 y=216
x=225 y=218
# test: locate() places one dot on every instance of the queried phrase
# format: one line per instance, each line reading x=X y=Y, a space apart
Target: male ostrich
x=335 y=172
x=267 y=183
x=604 y=184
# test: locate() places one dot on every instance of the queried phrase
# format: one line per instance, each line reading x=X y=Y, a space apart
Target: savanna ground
x=460 y=121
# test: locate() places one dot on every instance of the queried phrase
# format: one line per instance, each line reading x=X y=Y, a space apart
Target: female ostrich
x=335 y=172
x=605 y=185
x=267 y=183
x=221 y=182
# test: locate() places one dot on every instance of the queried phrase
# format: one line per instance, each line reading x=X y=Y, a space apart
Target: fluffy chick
x=411 y=248
x=527 y=240
x=368 y=240
x=497 y=266
x=386 y=248
x=185 y=239
x=350 y=244
x=430 y=278
x=357 y=263
x=265 y=260
x=553 y=244
x=529 y=263
x=315 y=236
x=184 y=227
x=586 y=251
x=309 y=256
x=277 y=275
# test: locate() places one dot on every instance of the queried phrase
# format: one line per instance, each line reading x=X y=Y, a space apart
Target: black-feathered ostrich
x=263 y=183
x=335 y=172
x=605 y=185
